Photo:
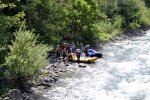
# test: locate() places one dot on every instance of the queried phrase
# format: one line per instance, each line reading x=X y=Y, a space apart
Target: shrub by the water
x=26 y=57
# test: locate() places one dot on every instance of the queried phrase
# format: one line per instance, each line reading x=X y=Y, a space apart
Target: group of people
x=67 y=50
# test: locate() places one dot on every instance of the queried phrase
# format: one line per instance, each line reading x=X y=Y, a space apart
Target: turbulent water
x=123 y=74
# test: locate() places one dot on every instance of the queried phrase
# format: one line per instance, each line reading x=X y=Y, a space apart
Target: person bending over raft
x=58 y=52
x=86 y=50
x=70 y=57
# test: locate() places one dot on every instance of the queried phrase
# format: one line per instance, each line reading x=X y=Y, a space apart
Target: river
x=122 y=74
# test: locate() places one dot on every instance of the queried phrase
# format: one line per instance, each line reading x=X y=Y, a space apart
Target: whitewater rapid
x=122 y=74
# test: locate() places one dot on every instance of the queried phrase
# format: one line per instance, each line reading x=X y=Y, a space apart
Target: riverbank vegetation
x=23 y=52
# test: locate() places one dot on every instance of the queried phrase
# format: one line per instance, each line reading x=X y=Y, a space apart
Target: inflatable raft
x=84 y=59
x=93 y=53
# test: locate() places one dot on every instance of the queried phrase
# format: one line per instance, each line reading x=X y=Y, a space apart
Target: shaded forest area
x=30 y=28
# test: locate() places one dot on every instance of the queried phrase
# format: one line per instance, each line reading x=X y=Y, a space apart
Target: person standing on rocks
x=64 y=54
x=74 y=49
x=63 y=46
x=58 y=52
x=86 y=50
x=67 y=47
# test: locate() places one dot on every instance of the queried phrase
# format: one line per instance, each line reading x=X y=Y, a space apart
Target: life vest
x=64 y=52
x=78 y=53
x=70 y=50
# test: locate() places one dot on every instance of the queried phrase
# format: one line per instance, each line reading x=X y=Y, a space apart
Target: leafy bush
x=145 y=19
x=26 y=56
x=107 y=30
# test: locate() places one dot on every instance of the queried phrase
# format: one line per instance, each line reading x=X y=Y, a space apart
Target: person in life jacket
x=86 y=50
x=63 y=46
x=78 y=54
x=67 y=47
x=58 y=51
x=64 y=54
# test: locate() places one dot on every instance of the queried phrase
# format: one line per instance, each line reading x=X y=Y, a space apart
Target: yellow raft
x=84 y=59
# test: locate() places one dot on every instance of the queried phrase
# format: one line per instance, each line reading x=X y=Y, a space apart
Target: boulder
x=15 y=94
x=82 y=65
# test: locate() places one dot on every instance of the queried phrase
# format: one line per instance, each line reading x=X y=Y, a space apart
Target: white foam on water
x=139 y=89
x=113 y=78
x=125 y=66
x=148 y=33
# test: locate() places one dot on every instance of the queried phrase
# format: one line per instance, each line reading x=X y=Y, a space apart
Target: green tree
x=47 y=18
x=61 y=20
x=108 y=7
x=83 y=15
x=10 y=21
x=133 y=12
x=26 y=57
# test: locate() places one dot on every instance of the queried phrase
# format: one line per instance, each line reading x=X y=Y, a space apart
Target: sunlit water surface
x=123 y=74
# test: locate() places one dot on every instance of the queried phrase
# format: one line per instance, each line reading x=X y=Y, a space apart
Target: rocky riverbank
x=50 y=75
x=129 y=34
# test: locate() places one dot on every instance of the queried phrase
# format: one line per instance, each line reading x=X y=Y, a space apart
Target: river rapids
x=122 y=74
